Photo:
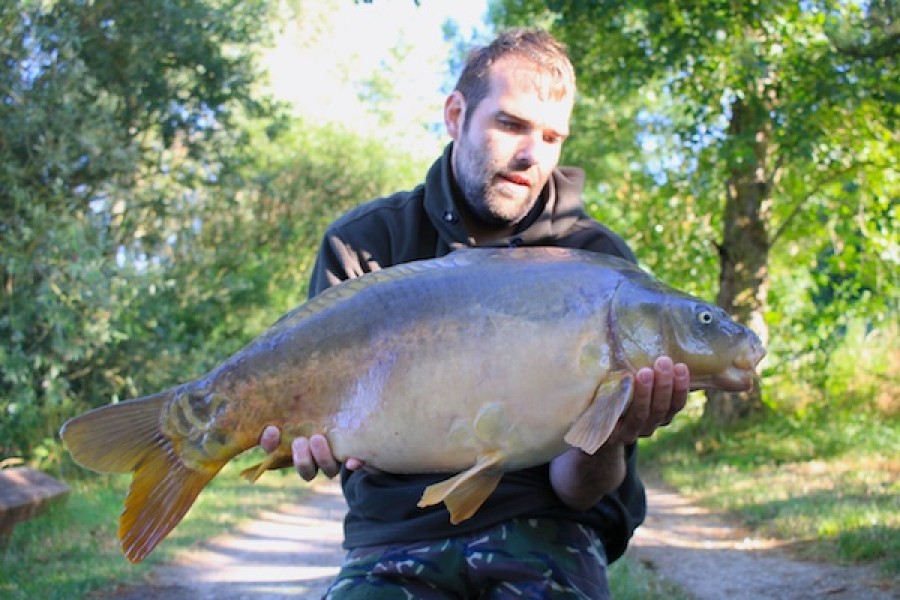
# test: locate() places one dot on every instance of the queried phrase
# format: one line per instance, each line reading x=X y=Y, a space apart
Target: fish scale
x=474 y=364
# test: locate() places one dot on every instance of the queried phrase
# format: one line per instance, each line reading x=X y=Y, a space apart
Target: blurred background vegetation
x=159 y=207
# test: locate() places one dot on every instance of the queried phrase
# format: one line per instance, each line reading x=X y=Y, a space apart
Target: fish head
x=658 y=321
x=720 y=352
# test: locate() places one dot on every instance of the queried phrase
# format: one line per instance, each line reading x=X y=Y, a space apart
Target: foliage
x=251 y=263
x=156 y=213
x=860 y=373
x=655 y=126
x=662 y=85
x=114 y=120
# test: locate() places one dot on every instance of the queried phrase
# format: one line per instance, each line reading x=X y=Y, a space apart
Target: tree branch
x=816 y=189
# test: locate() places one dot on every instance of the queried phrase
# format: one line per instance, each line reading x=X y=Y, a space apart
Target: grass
x=829 y=484
x=629 y=580
x=72 y=549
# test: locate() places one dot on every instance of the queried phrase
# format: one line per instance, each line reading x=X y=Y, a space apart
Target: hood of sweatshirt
x=558 y=208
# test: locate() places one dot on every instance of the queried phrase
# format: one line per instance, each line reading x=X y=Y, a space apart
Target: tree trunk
x=744 y=251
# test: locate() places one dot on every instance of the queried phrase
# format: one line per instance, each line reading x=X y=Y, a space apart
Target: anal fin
x=463 y=494
x=597 y=422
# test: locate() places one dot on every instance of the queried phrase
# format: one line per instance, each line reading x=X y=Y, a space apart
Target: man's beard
x=476 y=182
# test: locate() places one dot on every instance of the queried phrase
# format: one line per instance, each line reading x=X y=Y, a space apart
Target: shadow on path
x=712 y=558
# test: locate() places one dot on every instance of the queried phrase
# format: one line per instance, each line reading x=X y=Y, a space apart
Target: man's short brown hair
x=534 y=46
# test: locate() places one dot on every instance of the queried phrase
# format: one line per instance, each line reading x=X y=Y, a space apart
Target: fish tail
x=162 y=490
x=126 y=437
x=116 y=438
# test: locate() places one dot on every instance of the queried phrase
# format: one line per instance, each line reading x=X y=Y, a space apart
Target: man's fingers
x=303 y=459
x=661 y=398
x=681 y=387
x=629 y=428
x=321 y=453
x=659 y=394
x=270 y=438
x=352 y=464
x=313 y=454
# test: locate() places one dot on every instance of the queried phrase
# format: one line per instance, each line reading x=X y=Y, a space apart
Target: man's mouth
x=516 y=179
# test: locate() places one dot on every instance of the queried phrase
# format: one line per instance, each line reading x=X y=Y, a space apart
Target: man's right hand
x=310 y=455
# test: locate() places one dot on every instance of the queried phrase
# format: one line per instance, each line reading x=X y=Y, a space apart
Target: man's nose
x=527 y=150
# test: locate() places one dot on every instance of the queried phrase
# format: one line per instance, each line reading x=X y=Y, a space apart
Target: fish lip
x=751 y=358
x=733 y=379
x=738 y=377
x=741 y=374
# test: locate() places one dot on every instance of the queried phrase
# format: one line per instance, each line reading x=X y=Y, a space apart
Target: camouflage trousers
x=522 y=558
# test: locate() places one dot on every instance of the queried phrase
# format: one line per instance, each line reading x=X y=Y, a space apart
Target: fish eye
x=705 y=317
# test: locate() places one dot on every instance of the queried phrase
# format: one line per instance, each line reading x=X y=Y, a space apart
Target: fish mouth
x=739 y=376
x=732 y=379
x=754 y=355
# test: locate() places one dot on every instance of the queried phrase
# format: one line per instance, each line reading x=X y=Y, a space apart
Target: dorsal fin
x=337 y=293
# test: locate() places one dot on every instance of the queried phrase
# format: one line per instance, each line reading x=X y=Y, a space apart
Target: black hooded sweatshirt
x=426 y=223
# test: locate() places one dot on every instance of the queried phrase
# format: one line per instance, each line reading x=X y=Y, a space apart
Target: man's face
x=503 y=157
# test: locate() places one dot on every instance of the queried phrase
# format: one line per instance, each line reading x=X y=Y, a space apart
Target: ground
x=293 y=552
x=712 y=558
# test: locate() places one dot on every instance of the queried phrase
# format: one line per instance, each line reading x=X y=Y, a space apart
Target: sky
x=323 y=54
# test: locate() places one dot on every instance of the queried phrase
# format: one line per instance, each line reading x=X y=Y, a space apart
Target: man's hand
x=310 y=455
x=659 y=394
x=580 y=479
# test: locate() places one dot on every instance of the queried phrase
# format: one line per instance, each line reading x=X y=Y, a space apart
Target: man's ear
x=454 y=113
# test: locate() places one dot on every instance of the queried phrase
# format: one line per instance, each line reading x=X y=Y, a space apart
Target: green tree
x=157 y=211
x=255 y=258
x=765 y=128
x=115 y=122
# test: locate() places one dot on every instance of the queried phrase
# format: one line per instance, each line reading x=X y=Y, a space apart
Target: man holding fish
x=547 y=531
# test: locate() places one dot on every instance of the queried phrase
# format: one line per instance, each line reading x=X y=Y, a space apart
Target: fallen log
x=24 y=494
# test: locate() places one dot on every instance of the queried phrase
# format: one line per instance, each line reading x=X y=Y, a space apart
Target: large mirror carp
x=473 y=364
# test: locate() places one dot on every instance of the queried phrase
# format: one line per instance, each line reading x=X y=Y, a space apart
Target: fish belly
x=509 y=386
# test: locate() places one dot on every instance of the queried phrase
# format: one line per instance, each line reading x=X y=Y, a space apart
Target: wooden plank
x=25 y=493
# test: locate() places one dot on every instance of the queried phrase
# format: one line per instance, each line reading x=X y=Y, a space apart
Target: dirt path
x=714 y=559
x=294 y=552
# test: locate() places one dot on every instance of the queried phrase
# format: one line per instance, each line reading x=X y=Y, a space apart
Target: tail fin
x=116 y=438
x=125 y=437
x=162 y=490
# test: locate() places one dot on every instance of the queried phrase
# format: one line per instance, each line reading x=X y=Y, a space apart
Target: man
x=546 y=532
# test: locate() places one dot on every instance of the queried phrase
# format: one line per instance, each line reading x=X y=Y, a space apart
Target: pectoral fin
x=597 y=422
x=464 y=494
